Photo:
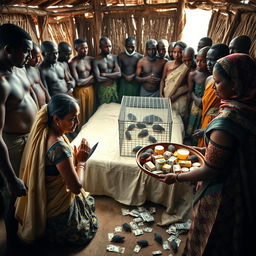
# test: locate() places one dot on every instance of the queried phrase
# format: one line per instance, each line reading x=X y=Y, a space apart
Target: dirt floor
x=109 y=214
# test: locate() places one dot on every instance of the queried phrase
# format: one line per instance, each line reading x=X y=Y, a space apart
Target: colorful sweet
x=150 y=166
x=183 y=153
x=159 y=150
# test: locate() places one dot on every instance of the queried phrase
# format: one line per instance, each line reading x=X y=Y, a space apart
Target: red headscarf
x=241 y=68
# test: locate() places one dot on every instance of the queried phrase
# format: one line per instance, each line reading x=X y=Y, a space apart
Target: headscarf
x=241 y=69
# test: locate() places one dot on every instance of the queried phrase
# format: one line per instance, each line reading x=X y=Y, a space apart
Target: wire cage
x=143 y=121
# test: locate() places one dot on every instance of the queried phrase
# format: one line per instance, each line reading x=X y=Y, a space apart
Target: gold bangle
x=176 y=177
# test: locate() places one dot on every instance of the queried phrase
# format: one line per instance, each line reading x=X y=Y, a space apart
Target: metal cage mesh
x=148 y=111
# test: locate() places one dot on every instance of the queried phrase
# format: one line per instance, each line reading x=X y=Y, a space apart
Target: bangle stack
x=80 y=166
x=176 y=177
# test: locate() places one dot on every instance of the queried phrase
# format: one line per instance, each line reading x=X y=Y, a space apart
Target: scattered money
x=137 y=232
x=140 y=224
x=146 y=216
x=137 y=248
x=185 y=225
x=118 y=229
x=172 y=230
x=110 y=236
x=147 y=229
x=134 y=213
x=134 y=225
x=114 y=248
x=166 y=245
x=156 y=253
x=138 y=219
x=174 y=238
x=125 y=211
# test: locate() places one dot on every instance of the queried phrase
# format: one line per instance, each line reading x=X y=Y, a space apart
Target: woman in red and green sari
x=224 y=207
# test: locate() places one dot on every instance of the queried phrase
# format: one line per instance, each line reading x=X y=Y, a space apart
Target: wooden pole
x=97 y=22
x=180 y=20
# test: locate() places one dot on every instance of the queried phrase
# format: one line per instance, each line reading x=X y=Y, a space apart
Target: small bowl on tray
x=141 y=162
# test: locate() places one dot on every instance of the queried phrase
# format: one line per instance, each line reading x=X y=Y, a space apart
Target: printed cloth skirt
x=76 y=226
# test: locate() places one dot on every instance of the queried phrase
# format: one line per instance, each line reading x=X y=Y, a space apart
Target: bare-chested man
x=149 y=71
x=17 y=112
x=188 y=58
x=128 y=62
x=41 y=92
x=106 y=70
x=64 y=53
x=81 y=70
x=240 y=44
x=162 y=48
x=204 y=41
x=53 y=73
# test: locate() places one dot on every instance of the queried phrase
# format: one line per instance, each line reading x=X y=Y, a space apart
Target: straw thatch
x=65 y=20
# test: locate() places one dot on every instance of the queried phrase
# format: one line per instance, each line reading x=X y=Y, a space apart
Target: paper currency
x=110 y=236
x=172 y=230
x=114 y=248
x=125 y=211
x=134 y=225
x=136 y=248
x=140 y=224
x=118 y=229
x=166 y=245
x=138 y=219
x=176 y=239
x=137 y=232
x=185 y=225
x=147 y=229
x=134 y=213
x=156 y=253
x=146 y=216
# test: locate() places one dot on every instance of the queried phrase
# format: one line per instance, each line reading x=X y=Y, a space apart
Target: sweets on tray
x=164 y=160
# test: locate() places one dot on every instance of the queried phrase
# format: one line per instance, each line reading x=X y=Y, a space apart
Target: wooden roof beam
x=138 y=7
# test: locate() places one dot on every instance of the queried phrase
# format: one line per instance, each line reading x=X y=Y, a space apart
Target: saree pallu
x=195 y=116
x=173 y=83
x=210 y=109
x=86 y=97
x=127 y=88
x=107 y=93
x=47 y=196
x=224 y=211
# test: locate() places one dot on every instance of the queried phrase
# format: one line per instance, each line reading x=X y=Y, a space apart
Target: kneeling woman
x=56 y=205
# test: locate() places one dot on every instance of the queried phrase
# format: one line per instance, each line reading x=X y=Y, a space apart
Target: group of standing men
x=26 y=85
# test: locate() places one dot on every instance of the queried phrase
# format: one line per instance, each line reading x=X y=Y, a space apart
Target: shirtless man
x=17 y=112
x=162 y=48
x=53 y=73
x=149 y=71
x=81 y=70
x=41 y=92
x=240 y=44
x=128 y=61
x=204 y=41
x=106 y=70
x=188 y=58
x=65 y=51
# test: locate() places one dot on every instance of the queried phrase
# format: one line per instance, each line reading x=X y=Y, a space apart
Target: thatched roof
x=64 y=20
x=65 y=7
